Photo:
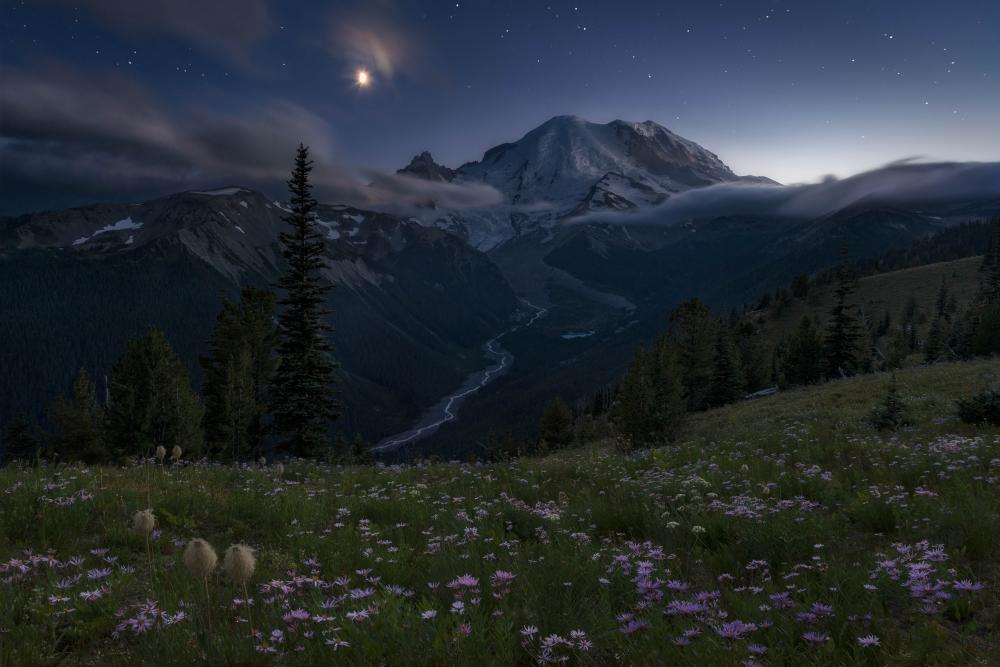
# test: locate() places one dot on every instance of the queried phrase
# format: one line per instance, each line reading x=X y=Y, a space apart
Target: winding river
x=446 y=409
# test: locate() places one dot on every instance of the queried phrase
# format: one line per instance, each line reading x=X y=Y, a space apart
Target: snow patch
x=244 y=204
x=571 y=335
x=119 y=226
x=240 y=229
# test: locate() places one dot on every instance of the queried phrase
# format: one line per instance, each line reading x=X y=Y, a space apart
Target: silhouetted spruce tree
x=989 y=271
x=727 y=376
x=668 y=405
x=941 y=303
x=151 y=400
x=79 y=424
x=557 y=426
x=934 y=346
x=238 y=373
x=843 y=331
x=692 y=331
x=632 y=407
x=303 y=402
x=803 y=361
x=21 y=439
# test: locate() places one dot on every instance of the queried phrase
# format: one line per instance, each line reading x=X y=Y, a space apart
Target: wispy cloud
x=109 y=137
x=904 y=183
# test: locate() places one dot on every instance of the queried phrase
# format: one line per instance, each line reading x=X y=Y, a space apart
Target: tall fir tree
x=843 y=331
x=728 y=381
x=151 y=401
x=989 y=271
x=668 y=405
x=238 y=373
x=303 y=401
x=79 y=422
x=22 y=439
x=803 y=360
x=692 y=331
x=632 y=407
x=556 y=426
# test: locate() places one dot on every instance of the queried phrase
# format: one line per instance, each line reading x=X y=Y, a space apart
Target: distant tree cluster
x=268 y=386
x=704 y=361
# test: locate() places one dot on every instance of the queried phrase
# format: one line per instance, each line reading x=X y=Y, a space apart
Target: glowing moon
x=363 y=78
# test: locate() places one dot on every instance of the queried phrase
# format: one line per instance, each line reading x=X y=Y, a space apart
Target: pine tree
x=667 y=404
x=21 y=440
x=151 y=400
x=843 y=330
x=727 y=376
x=632 y=407
x=302 y=395
x=238 y=374
x=934 y=346
x=557 y=426
x=989 y=271
x=80 y=424
x=941 y=303
x=692 y=331
x=802 y=363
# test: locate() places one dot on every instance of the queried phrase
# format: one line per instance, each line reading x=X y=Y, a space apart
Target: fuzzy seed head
x=239 y=563
x=200 y=558
x=175 y=453
x=143 y=521
x=262 y=461
x=279 y=469
x=161 y=453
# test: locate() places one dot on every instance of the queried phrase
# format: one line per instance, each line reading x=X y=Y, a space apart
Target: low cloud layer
x=107 y=137
x=904 y=184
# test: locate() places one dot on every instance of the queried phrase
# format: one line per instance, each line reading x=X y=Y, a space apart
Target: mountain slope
x=410 y=308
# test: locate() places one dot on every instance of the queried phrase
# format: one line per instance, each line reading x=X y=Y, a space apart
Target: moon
x=363 y=78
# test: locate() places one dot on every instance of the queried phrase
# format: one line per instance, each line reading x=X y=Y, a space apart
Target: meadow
x=779 y=531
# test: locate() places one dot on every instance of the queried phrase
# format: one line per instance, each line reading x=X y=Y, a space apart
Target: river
x=446 y=409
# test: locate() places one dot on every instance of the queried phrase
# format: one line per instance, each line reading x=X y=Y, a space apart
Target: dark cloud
x=109 y=137
x=226 y=28
x=905 y=184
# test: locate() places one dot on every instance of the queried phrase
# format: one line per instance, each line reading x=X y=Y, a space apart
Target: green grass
x=792 y=497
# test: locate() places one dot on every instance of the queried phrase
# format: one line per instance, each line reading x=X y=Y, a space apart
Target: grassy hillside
x=781 y=531
x=887 y=292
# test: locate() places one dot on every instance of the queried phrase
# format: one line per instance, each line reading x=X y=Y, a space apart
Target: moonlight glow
x=363 y=78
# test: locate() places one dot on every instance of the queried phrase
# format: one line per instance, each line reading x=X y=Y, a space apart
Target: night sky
x=112 y=99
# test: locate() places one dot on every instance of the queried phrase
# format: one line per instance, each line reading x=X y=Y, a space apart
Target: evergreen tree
x=238 y=373
x=667 y=403
x=727 y=376
x=753 y=353
x=632 y=408
x=941 y=303
x=843 y=330
x=557 y=426
x=989 y=271
x=80 y=424
x=803 y=362
x=899 y=350
x=302 y=395
x=21 y=439
x=692 y=331
x=934 y=346
x=892 y=412
x=151 y=400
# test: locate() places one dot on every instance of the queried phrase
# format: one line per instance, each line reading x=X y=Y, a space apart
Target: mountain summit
x=568 y=166
x=567 y=155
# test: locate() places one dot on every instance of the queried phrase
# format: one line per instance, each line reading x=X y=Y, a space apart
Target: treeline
x=703 y=361
x=268 y=382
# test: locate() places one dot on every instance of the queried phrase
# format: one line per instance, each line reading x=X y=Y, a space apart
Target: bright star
x=363 y=78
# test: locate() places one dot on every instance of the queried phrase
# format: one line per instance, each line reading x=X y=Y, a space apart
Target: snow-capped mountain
x=568 y=166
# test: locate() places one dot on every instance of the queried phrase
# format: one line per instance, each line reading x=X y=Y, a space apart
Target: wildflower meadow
x=783 y=531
